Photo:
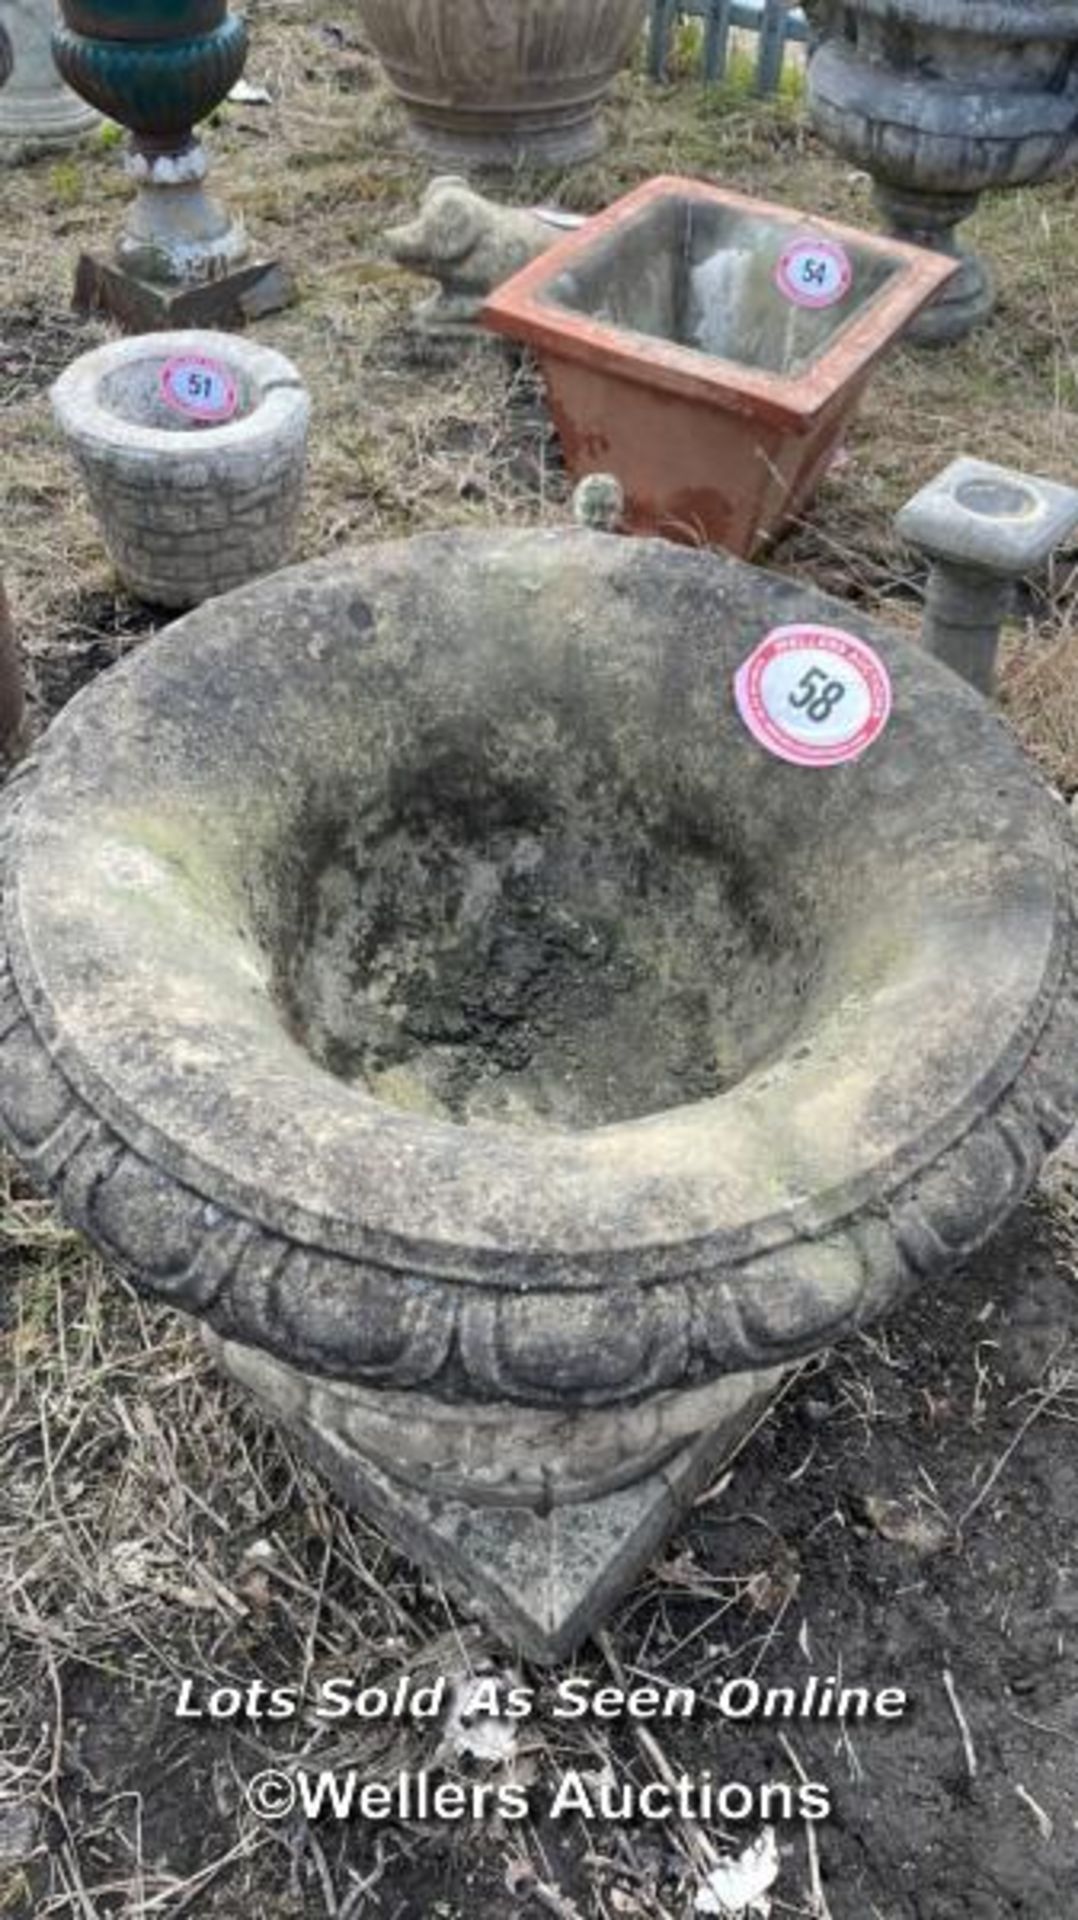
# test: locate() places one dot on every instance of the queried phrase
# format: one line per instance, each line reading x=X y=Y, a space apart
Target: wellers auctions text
x=587 y=1794
x=742 y=1698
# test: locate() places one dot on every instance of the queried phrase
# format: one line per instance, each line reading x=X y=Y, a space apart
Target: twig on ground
x=961 y=1723
x=1051 y=1392
x=820 y=1908
x=1044 y=1820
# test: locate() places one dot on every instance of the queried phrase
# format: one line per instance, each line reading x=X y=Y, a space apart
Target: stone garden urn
x=518 y=1006
x=496 y=86
x=941 y=100
x=158 y=69
x=37 y=111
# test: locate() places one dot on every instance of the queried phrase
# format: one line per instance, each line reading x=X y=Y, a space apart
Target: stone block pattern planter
x=187 y=510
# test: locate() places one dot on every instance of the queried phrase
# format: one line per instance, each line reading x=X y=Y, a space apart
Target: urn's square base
x=543 y=1582
x=142 y=306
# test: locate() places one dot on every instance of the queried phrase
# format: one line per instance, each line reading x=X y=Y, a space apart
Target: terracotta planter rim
x=522 y=309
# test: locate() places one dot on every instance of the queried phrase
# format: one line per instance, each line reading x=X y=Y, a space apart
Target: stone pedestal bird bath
x=417 y=970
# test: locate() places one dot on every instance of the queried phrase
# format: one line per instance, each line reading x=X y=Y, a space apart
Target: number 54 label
x=814 y=695
x=813 y=272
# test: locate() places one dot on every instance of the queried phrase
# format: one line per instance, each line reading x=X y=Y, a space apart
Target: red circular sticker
x=202 y=388
x=814 y=695
x=813 y=272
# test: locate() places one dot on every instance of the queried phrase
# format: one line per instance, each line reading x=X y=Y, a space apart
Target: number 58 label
x=814 y=695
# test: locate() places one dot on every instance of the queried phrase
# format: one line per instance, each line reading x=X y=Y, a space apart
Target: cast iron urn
x=159 y=67
x=940 y=100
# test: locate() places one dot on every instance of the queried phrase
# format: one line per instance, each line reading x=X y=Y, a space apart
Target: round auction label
x=199 y=387
x=814 y=273
x=814 y=695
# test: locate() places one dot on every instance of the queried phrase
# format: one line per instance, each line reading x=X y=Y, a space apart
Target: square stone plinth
x=141 y=306
x=542 y=1580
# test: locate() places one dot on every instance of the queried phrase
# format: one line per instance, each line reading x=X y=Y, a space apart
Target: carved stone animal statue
x=469 y=245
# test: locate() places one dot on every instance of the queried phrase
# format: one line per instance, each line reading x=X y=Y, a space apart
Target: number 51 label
x=814 y=695
x=199 y=387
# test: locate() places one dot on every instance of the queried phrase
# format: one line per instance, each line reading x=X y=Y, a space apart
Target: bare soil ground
x=906 y=1515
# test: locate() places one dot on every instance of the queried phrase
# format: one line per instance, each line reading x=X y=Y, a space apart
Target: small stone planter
x=192 y=446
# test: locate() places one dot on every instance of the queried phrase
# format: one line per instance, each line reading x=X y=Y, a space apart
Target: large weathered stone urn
x=499 y=85
x=940 y=100
x=415 y=969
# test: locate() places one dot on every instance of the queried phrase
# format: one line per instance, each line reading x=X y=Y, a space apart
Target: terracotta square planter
x=709 y=349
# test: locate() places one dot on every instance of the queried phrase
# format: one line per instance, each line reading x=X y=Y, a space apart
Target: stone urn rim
x=126 y=22
x=1040 y=19
x=565 y=1267
x=277 y=391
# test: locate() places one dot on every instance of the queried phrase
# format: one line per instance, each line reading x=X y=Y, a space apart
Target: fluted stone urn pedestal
x=37 y=112
x=942 y=100
x=519 y=83
x=181 y=259
x=415 y=969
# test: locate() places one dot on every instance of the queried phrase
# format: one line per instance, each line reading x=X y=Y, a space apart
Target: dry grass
x=155 y=1529
x=152 y=1525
